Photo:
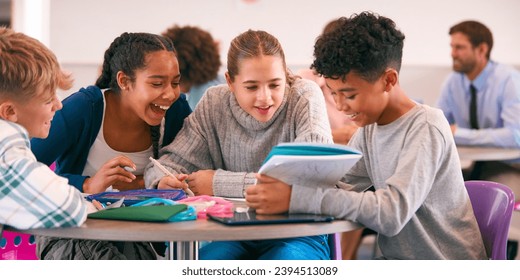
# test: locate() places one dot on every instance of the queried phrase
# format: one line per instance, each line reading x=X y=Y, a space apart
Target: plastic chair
x=17 y=246
x=493 y=206
x=335 y=246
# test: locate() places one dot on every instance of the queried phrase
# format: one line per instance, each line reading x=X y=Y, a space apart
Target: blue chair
x=493 y=206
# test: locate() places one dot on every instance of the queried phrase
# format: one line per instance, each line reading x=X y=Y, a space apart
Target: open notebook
x=309 y=163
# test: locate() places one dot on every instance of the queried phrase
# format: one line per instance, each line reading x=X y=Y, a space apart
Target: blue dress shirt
x=498 y=106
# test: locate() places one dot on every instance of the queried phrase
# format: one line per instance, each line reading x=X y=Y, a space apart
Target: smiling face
x=462 y=53
x=155 y=89
x=259 y=86
x=363 y=102
x=36 y=113
x=467 y=59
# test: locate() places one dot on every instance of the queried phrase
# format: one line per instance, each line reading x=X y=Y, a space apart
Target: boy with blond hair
x=31 y=194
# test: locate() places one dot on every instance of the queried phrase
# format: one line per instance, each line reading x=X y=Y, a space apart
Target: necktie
x=473 y=107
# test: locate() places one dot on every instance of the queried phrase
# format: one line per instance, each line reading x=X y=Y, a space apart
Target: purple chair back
x=493 y=206
x=335 y=246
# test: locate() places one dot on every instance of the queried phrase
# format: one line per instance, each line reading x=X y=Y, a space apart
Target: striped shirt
x=32 y=195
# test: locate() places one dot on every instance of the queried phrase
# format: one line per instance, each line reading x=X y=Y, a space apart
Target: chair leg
x=512 y=249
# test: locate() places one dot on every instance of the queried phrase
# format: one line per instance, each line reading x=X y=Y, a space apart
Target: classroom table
x=184 y=236
x=475 y=153
x=470 y=156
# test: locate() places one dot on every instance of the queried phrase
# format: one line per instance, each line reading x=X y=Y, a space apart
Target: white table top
x=487 y=153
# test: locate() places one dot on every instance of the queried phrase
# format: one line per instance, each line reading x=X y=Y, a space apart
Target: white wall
x=80 y=31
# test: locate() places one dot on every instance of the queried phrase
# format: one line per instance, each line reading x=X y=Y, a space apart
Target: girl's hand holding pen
x=177 y=181
x=172 y=181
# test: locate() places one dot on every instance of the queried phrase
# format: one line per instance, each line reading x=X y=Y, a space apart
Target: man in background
x=481 y=100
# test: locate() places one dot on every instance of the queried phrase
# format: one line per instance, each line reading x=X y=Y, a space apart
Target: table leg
x=184 y=250
x=476 y=171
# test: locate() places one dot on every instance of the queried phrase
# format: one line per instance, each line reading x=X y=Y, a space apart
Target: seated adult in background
x=224 y=142
x=31 y=195
x=420 y=208
x=494 y=119
x=199 y=60
x=115 y=124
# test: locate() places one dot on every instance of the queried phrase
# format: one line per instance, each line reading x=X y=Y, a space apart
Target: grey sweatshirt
x=420 y=208
x=219 y=135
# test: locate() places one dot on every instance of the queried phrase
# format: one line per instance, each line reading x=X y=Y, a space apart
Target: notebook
x=309 y=164
x=154 y=213
x=251 y=218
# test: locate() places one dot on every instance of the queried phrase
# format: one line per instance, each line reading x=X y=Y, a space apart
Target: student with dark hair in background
x=199 y=60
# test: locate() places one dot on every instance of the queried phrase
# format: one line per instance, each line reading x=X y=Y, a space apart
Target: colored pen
x=128 y=168
x=98 y=205
x=166 y=172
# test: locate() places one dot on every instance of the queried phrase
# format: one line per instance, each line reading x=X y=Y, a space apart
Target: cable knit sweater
x=221 y=136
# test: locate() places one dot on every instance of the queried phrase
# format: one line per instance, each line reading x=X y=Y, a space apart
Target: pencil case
x=135 y=196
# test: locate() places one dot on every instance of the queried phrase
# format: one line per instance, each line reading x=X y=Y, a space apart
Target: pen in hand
x=168 y=173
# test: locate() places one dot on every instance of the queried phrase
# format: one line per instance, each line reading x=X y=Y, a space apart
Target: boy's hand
x=110 y=173
x=453 y=128
x=201 y=182
x=269 y=195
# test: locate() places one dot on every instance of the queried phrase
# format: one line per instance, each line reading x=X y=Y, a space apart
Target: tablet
x=251 y=218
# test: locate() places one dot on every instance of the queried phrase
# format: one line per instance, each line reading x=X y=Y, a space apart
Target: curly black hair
x=197 y=51
x=365 y=43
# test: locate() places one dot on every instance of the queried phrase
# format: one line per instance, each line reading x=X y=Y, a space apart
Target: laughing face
x=156 y=87
x=259 y=86
x=36 y=113
x=363 y=102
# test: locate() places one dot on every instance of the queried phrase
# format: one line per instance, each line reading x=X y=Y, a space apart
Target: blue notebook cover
x=310 y=149
x=309 y=164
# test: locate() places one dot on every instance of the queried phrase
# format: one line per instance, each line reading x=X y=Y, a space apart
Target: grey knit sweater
x=219 y=135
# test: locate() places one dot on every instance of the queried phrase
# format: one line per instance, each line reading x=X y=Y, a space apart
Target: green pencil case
x=151 y=213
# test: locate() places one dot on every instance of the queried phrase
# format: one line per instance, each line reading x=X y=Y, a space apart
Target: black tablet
x=251 y=218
